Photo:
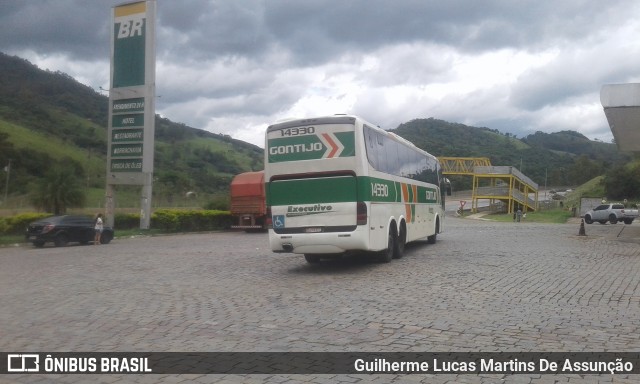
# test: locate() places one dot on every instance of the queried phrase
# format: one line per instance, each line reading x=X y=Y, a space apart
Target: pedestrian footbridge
x=504 y=187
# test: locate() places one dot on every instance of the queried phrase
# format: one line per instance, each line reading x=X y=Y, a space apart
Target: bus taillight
x=361 y=215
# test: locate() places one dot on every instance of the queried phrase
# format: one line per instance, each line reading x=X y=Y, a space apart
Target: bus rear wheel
x=401 y=240
x=386 y=254
x=432 y=239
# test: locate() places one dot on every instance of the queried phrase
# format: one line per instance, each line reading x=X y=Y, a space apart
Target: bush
x=168 y=220
x=174 y=220
x=16 y=225
x=126 y=221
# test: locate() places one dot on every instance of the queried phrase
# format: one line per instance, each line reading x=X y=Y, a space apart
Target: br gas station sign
x=132 y=104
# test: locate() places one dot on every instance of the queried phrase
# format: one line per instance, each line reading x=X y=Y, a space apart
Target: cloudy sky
x=235 y=66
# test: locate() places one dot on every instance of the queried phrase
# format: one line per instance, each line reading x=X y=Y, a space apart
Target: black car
x=62 y=230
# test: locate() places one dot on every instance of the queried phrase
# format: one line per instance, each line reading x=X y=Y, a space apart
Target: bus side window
x=383 y=166
x=394 y=151
x=372 y=147
x=403 y=155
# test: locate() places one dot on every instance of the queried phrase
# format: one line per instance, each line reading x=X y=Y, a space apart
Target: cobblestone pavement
x=483 y=286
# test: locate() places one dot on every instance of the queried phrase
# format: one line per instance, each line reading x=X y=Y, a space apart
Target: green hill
x=48 y=117
x=563 y=158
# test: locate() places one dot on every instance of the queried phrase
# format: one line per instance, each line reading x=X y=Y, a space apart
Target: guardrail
x=503 y=192
x=505 y=170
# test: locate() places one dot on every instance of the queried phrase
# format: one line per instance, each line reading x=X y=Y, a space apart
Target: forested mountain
x=48 y=118
x=562 y=158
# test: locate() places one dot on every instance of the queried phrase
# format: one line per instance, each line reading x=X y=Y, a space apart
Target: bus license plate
x=313 y=230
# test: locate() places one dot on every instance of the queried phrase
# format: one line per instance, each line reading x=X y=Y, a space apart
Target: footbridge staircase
x=502 y=186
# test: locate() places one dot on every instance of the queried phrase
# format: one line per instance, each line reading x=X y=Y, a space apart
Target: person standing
x=98 y=228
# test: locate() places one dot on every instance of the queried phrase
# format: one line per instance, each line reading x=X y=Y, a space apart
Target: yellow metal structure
x=504 y=187
x=462 y=165
x=507 y=185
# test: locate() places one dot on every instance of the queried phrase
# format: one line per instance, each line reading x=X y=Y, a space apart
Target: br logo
x=130 y=28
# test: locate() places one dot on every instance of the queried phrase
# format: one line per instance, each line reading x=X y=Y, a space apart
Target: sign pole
x=132 y=104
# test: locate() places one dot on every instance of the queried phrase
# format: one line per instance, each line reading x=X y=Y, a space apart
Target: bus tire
x=401 y=240
x=386 y=254
x=432 y=239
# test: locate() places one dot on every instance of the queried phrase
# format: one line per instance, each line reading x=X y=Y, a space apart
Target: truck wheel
x=587 y=219
x=628 y=221
x=613 y=219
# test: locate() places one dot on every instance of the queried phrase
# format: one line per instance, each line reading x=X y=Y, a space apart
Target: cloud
x=76 y=29
x=234 y=67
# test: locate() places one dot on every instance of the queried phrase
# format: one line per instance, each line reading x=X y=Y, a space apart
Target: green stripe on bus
x=343 y=189
x=382 y=190
x=348 y=140
x=378 y=190
x=312 y=191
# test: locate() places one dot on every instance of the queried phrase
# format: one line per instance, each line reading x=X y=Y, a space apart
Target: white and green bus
x=338 y=184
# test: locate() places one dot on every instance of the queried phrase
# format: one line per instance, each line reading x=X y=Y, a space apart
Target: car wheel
x=106 y=238
x=311 y=258
x=613 y=219
x=39 y=243
x=587 y=219
x=628 y=221
x=61 y=240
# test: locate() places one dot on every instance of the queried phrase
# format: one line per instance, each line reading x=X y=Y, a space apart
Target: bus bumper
x=319 y=243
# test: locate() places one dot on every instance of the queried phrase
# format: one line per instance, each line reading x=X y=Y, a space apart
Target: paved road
x=482 y=287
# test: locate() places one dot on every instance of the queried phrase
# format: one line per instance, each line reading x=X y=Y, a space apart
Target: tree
x=58 y=190
x=583 y=169
x=623 y=182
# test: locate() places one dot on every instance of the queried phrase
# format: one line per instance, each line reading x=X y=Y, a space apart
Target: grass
x=239 y=156
x=24 y=138
x=6 y=240
x=555 y=216
x=592 y=188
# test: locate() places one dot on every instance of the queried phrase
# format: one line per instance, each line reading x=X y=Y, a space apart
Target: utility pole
x=6 y=187
x=545 y=184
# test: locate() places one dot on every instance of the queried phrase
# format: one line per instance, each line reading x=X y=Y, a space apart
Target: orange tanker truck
x=248 y=205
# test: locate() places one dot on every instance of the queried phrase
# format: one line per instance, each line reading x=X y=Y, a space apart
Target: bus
x=337 y=184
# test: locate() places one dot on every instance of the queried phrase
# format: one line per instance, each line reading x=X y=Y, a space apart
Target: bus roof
x=335 y=119
x=341 y=119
